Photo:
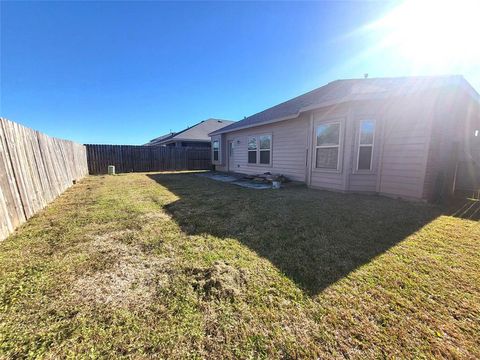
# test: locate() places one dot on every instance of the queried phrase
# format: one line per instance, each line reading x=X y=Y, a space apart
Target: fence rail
x=130 y=158
x=34 y=170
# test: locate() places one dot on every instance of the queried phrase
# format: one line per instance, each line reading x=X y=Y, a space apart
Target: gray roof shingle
x=197 y=132
x=346 y=90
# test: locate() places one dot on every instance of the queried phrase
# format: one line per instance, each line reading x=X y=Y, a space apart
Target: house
x=193 y=136
x=399 y=137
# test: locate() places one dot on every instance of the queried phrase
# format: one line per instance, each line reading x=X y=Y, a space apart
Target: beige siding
x=363 y=183
x=328 y=181
x=406 y=138
x=408 y=152
x=440 y=147
x=289 y=146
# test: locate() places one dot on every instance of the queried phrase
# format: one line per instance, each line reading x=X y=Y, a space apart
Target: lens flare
x=437 y=34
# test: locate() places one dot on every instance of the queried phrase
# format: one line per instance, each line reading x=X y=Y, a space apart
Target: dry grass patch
x=220 y=281
x=127 y=278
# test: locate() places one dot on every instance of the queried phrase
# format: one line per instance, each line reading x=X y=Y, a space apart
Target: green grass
x=179 y=266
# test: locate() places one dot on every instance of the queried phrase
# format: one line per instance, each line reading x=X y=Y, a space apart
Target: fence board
x=130 y=158
x=34 y=170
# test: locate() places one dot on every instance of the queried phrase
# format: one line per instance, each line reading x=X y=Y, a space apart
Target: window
x=260 y=149
x=252 y=150
x=216 y=148
x=328 y=146
x=265 y=148
x=365 y=145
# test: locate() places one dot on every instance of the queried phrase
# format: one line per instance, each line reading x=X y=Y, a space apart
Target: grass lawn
x=180 y=266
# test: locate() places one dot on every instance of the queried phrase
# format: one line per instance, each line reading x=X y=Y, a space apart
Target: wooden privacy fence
x=34 y=170
x=130 y=158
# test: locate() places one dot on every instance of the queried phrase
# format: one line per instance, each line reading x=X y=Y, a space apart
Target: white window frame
x=258 y=150
x=213 y=150
x=252 y=150
x=340 y=132
x=359 y=145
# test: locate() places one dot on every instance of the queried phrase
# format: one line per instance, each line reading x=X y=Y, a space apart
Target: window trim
x=359 y=145
x=217 y=150
x=339 y=146
x=258 y=150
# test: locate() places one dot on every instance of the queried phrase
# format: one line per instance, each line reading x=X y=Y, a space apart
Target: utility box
x=111 y=170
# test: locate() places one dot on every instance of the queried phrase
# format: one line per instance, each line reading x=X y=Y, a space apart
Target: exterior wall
x=453 y=141
x=467 y=176
x=443 y=149
x=410 y=146
x=289 y=149
x=406 y=138
x=293 y=152
x=347 y=177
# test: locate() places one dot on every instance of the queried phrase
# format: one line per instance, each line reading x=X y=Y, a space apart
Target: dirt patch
x=130 y=278
x=220 y=281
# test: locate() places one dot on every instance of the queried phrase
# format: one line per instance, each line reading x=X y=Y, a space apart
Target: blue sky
x=126 y=72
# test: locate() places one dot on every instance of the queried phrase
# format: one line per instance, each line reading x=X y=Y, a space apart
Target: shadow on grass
x=465 y=208
x=314 y=237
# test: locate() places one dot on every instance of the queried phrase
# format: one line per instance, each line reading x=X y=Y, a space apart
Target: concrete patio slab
x=218 y=177
x=235 y=179
x=252 y=184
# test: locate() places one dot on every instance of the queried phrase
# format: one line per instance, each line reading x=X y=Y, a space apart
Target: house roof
x=197 y=132
x=340 y=91
x=163 y=137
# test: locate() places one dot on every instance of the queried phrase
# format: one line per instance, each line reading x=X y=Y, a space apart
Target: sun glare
x=438 y=34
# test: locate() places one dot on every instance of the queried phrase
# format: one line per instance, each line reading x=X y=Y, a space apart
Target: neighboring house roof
x=162 y=138
x=340 y=91
x=198 y=132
